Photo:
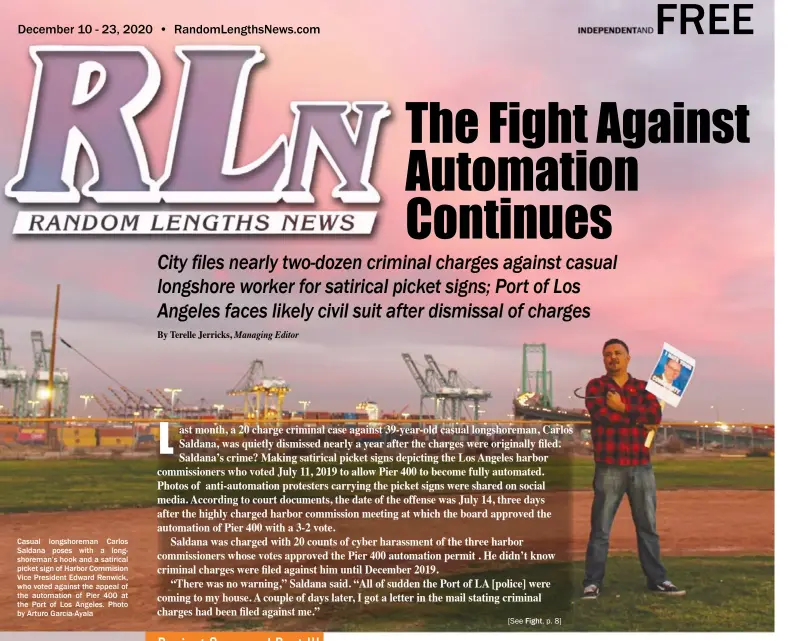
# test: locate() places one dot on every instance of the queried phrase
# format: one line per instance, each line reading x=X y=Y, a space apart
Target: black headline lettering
x=713 y=15
x=568 y=171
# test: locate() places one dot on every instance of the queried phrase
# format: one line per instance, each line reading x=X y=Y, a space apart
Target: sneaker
x=667 y=587
x=591 y=592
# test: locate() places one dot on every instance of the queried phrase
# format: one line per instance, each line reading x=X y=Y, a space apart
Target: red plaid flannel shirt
x=618 y=438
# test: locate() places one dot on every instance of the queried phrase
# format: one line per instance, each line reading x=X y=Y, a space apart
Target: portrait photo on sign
x=671 y=375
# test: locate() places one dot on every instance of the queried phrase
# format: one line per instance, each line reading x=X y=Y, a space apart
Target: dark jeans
x=611 y=483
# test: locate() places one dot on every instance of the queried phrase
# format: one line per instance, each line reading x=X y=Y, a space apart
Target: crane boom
x=101 y=402
x=417 y=375
x=431 y=363
x=109 y=404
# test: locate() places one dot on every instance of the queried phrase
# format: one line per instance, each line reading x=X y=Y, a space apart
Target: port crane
x=423 y=382
x=536 y=384
x=106 y=406
x=158 y=405
x=123 y=403
x=459 y=391
x=449 y=391
x=38 y=382
x=253 y=384
x=161 y=400
x=141 y=405
x=13 y=378
x=275 y=388
x=247 y=387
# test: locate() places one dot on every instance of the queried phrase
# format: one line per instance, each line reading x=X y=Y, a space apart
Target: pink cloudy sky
x=695 y=244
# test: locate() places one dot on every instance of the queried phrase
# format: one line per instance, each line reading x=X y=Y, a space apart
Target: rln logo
x=717 y=19
x=87 y=98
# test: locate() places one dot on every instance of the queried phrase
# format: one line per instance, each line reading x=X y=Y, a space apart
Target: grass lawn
x=81 y=484
x=724 y=594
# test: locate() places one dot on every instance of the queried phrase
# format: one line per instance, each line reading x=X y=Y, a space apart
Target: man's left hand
x=614 y=402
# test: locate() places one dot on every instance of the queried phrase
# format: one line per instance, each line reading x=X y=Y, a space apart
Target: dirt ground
x=691 y=523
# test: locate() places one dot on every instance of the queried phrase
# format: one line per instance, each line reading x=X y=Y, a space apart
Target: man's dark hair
x=616 y=341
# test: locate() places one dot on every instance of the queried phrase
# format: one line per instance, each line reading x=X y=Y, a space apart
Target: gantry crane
x=160 y=396
x=249 y=385
x=13 y=378
x=114 y=410
x=254 y=383
x=131 y=400
x=139 y=404
x=449 y=391
x=277 y=388
x=106 y=407
x=38 y=382
x=432 y=384
x=425 y=389
x=537 y=384
x=157 y=403
x=124 y=404
x=458 y=390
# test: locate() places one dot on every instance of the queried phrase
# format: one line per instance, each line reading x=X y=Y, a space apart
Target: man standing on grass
x=619 y=407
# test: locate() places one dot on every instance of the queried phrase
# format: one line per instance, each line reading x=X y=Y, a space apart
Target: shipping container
x=107 y=432
x=146 y=441
x=78 y=437
x=74 y=442
x=8 y=433
x=32 y=435
x=116 y=441
x=78 y=432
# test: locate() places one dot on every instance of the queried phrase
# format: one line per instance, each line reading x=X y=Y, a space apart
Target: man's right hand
x=614 y=402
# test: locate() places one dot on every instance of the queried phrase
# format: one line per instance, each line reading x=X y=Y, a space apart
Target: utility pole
x=51 y=430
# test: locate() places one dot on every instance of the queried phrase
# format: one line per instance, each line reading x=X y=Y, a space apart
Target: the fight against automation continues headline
x=569 y=172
